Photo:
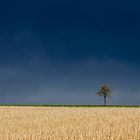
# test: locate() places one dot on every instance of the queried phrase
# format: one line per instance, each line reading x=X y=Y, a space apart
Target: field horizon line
x=65 y=105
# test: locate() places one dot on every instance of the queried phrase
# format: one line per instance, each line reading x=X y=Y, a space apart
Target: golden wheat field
x=63 y=123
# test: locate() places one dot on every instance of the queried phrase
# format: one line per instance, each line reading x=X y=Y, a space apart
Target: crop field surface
x=64 y=123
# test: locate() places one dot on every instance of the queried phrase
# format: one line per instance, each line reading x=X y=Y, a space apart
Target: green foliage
x=104 y=91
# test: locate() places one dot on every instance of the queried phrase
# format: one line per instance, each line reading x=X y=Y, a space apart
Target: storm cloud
x=61 y=52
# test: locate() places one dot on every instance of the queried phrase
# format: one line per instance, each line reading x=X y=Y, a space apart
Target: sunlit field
x=64 y=123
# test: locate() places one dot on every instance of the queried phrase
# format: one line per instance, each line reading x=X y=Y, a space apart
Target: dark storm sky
x=60 y=52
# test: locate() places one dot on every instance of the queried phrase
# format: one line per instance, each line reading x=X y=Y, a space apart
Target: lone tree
x=104 y=91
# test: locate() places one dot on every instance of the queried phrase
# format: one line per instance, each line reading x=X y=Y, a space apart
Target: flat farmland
x=65 y=123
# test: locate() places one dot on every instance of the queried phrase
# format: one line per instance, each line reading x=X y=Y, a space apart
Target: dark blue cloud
x=62 y=51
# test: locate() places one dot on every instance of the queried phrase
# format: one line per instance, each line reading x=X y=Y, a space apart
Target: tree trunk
x=104 y=100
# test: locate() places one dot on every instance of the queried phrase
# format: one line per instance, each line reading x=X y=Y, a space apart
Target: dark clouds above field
x=60 y=52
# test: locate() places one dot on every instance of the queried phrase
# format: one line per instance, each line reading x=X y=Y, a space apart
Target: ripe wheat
x=58 y=123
